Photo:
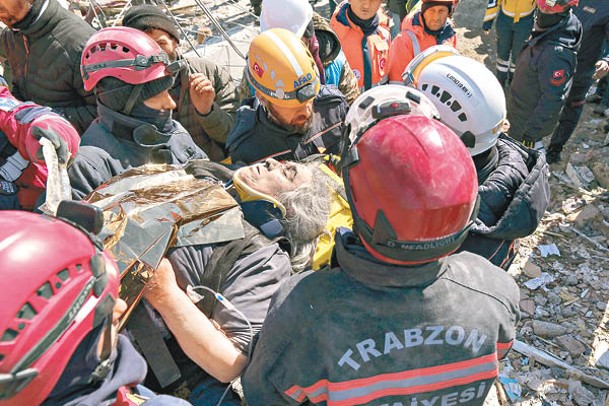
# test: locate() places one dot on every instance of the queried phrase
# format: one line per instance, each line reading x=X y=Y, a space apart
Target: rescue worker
x=211 y=341
x=319 y=38
x=594 y=16
x=363 y=29
x=544 y=72
x=292 y=115
x=514 y=25
x=397 y=12
x=43 y=42
x=387 y=322
x=425 y=28
x=131 y=76
x=203 y=91
x=22 y=125
x=513 y=182
x=59 y=341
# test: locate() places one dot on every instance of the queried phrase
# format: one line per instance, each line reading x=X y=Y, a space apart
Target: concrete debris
x=548 y=330
x=549 y=249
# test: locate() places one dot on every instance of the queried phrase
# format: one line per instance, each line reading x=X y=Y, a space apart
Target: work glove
x=202 y=168
x=12 y=167
x=63 y=153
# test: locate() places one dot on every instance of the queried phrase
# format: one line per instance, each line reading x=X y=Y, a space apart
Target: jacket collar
x=568 y=32
x=358 y=264
x=45 y=20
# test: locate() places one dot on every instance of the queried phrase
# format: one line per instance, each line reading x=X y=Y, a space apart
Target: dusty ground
x=573 y=301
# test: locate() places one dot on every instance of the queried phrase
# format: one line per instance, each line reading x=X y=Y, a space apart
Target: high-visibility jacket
x=511 y=8
x=367 y=55
x=412 y=40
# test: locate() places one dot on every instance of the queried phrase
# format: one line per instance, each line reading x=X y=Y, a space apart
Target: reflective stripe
x=520 y=15
x=410 y=382
x=490 y=17
x=502 y=66
x=415 y=43
x=503 y=348
x=286 y=51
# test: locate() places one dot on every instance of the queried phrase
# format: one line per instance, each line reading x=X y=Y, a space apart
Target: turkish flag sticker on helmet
x=259 y=71
x=558 y=77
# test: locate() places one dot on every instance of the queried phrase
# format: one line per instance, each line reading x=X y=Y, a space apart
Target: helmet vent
x=63 y=275
x=45 y=291
x=456 y=106
x=9 y=334
x=26 y=312
x=463 y=117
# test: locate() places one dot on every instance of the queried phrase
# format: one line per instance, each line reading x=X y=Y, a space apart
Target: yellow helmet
x=281 y=68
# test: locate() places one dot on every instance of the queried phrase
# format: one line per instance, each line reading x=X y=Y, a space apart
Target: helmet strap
x=133 y=97
x=105 y=366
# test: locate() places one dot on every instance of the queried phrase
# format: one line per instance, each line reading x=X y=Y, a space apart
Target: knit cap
x=428 y=4
x=147 y=16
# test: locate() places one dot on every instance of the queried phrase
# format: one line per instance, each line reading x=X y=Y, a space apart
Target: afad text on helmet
x=303 y=80
x=370 y=348
x=460 y=85
x=450 y=399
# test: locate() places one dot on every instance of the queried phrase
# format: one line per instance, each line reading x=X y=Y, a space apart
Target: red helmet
x=124 y=53
x=412 y=188
x=556 y=6
x=61 y=286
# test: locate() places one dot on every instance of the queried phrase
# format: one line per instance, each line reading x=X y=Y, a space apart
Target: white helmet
x=468 y=96
x=385 y=101
x=422 y=59
x=293 y=15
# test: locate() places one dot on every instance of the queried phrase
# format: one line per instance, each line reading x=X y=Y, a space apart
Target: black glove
x=63 y=154
x=202 y=168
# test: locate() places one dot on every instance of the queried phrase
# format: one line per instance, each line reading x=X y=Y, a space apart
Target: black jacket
x=513 y=199
x=378 y=334
x=255 y=137
x=44 y=57
x=542 y=80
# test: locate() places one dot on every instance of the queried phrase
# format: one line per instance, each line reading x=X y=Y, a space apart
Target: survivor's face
x=365 y=9
x=274 y=178
x=435 y=17
x=161 y=101
x=293 y=119
x=13 y=11
x=165 y=41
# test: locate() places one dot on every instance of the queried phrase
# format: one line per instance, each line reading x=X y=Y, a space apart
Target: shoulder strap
x=416 y=49
x=222 y=260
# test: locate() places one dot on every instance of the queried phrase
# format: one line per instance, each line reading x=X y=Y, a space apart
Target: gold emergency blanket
x=152 y=208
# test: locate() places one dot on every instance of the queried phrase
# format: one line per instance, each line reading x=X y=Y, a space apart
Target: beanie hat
x=147 y=16
x=114 y=93
x=428 y=4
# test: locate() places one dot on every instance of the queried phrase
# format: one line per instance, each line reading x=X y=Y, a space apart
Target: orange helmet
x=281 y=69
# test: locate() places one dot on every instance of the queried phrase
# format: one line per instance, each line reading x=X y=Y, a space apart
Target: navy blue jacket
x=108 y=149
x=255 y=137
x=594 y=16
x=542 y=80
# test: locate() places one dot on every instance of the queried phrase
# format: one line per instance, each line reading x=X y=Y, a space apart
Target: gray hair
x=307 y=213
